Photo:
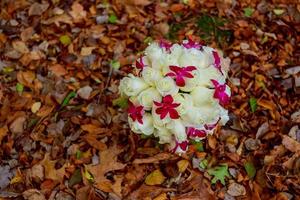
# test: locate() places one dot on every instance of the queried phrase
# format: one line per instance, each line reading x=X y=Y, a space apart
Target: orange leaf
x=58 y=70
x=91 y=139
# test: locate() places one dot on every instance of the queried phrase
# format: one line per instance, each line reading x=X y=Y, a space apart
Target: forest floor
x=64 y=136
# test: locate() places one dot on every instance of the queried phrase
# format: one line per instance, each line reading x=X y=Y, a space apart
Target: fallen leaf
x=5 y=176
x=33 y=194
x=17 y=126
x=108 y=162
x=154 y=159
x=93 y=129
x=182 y=165
x=20 y=46
x=78 y=13
x=3 y=132
x=85 y=51
x=35 y=107
x=155 y=178
x=85 y=92
x=91 y=139
x=290 y=144
x=37 y=9
x=50 y=171
x=236 y=189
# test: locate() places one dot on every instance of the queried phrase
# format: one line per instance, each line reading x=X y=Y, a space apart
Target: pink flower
x=140 y=63
x=135 y=112
x=183 y=146
x=220 y=93
x=193 y=132
x=211 y=126
x=167 y=107
x=179 y=73
x=217 y=61
x=165 y=44
x=191 y=44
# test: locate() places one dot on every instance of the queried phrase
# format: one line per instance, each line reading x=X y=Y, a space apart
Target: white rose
x=198 y=116
x=185 y=101
x=223 y=115
x=147 y=97
x=191 y=83
x=209 y=73
x=151 y=75
x=146 y=128
x=172 y=58
x=164 y=135
x=132 y=85
x=178 y=129
x=202 y=95
x=166 y=86
x=156 y=56
x=195 y=57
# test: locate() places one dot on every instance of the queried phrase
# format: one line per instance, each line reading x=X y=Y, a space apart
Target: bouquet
x=177 y=92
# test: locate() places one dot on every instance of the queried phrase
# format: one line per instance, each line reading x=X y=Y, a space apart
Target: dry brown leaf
x=3 y=132
x=153 y=159
x=20 y=46
x=93 y=129
x=117 y=186
x=91 y=139
x=37 y=9
x=78 y=13
x=17 y=126
x=50 y=171
x=58 y=70
x=108 y=162
x=85 y=51
x=148 y=191
x=33 y=194
x=27 y=33
x=290 y=144
x=26 y=78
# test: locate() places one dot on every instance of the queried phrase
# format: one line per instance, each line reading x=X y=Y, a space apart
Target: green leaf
x=65 y=40
x=68 y=98
x=278 y=11
x=248 y=11
x=198 y=145
x=115 y=64
x=75 y=178
x=78 y=154
x=112 y=19
x=32 y=122
x=203 y=164
x=250 y=169
x=148 y=40
x=19 y=88
x=253 y=104
x=7 y=70
x=122 y=102
x=220 y=173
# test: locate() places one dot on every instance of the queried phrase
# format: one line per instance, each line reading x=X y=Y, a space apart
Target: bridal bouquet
x=177 y=92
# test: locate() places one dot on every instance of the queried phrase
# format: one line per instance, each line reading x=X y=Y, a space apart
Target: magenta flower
x=167 y=106
x=135 y=112
x=165 y=44
x=193 y=132
x=140 y=64
x=191 y=44
x=183 y=146
x=217 y=61
x=220 y=93
x=179 y=73
x=211 y=126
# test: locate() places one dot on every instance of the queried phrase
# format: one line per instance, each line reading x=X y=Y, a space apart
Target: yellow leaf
x=85 y=51
x=162 y=196
x=88 y=175
x=182 y=165
x=20 y=47
x=17 y=179
x=35 y=107
x=155 y=178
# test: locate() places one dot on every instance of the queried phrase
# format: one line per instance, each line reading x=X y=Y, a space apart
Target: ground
x=64 y=133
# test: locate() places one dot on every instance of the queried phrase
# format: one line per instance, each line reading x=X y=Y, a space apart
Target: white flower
x=146 y=128
x=178 y=129
x=157 y=122
x=209 y=73
x=185 y=101
x=166 y=86
x=147 y=97
x=132 y=85
x=164 y=135
x=191 y=83
x=194 y=57
x=202 y=95
x=223 y=115
x=151 y=75
x=156 y=56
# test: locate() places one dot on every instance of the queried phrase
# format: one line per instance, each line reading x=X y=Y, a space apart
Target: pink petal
x=163 y=114
x=190 y=68
x=171 y=74
x=180 y=81
x=216 y=58
x=183 y=145
x=200 y=133
x=140 y=120
x=215 y=83
x=157 y=103
x=175 y=69
x=173 y=114
x=187 y=74
x=168 y=99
